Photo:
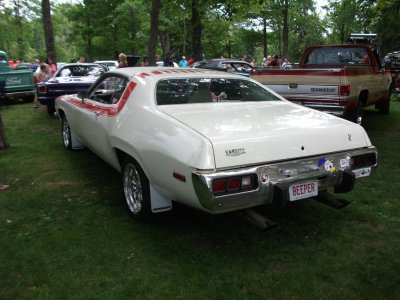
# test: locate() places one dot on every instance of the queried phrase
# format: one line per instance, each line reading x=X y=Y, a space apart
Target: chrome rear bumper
x=330 y=171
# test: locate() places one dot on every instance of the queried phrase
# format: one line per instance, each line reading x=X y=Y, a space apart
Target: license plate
x=362 y=172
x=303 y=190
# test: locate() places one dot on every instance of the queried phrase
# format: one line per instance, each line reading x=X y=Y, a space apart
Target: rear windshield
x=337 y=56
x=202 y=90
x=80 y=70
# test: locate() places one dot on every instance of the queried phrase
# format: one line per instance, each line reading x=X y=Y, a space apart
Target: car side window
x=109 y=91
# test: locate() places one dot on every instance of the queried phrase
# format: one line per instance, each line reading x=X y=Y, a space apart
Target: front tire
x=66 y=133
x=136 y=190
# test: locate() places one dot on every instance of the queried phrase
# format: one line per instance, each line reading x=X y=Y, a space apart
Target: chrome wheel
x=133 y=188
x=66 y=133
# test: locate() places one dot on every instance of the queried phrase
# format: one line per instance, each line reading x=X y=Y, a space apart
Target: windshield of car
x=337 y=56
x=200 y=90
x=80 y=71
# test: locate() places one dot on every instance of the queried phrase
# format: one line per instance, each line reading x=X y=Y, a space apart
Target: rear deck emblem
x=235 y=152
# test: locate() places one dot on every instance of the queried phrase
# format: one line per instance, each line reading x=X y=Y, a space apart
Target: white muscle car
x=211 y=140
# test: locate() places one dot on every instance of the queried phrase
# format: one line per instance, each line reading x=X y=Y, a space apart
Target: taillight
x=247 y=182
x=42 y=89
x=219 y=186
x=234 y=184
x=345 y=90
x=362 y=161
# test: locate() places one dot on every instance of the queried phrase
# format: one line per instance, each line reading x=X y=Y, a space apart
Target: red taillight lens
x=362 y=161
x=345 y=90
x=233 y=184
x=219 y=186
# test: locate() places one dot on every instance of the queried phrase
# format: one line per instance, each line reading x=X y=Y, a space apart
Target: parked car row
x=69 y=79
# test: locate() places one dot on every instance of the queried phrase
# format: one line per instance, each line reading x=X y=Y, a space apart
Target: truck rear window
x=337 y=56
x=202 y=90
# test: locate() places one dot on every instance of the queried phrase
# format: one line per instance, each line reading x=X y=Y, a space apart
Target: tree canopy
x=102 y=29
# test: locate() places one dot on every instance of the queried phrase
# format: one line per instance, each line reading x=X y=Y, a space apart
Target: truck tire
x=29 y=98
x=356 y=115
x=384 y=106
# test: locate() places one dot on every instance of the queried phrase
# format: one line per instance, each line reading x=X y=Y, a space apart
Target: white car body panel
x=201 y=137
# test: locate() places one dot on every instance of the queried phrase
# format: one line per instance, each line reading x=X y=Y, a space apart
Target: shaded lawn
x=64 y=233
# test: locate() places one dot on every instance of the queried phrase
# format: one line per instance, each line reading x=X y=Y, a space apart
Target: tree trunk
x=155 y=12
x=165 y=42
x=3 y=140
x=285 y=31
x=265 y=41
x=133 y=31
x=18 y=21
x=197 y=29
x=48 y=31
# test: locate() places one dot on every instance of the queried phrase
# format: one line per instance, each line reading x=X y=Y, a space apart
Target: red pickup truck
x=337 y=79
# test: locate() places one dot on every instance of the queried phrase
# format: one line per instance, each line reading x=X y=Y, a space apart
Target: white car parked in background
x=214 y=141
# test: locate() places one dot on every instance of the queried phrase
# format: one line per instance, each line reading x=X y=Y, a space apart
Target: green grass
x=64 y=232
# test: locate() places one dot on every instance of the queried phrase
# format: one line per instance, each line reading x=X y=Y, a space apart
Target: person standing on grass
x=3 y=145
x=3 y=140
x=3 y=187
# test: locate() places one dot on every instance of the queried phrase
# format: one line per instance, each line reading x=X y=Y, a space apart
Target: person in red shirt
x=190 y=60
x=52 y=67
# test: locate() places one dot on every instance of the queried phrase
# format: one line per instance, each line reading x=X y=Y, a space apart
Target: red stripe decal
x=170 y=71
x=143 y=75
x=106 y=111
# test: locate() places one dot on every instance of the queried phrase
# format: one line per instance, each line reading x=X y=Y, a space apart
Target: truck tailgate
x=17 y=81
x=301 y=83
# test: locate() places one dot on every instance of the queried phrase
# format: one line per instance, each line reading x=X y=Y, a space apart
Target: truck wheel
x=384 y=107
x=29 y=98
x=356 y=115
x=66 y=133
x=136 y=190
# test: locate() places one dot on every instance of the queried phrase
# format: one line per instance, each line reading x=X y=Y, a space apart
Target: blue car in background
x=69 y=79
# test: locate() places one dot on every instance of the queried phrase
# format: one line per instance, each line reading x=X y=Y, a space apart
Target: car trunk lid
x=253 y=133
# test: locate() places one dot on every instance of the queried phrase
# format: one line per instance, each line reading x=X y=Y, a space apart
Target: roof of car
x=169 y=72
x=217 y=61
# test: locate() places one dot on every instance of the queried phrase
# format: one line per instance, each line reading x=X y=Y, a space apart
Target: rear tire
x=136 y=190
x=356 y=115
x=384 y=107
